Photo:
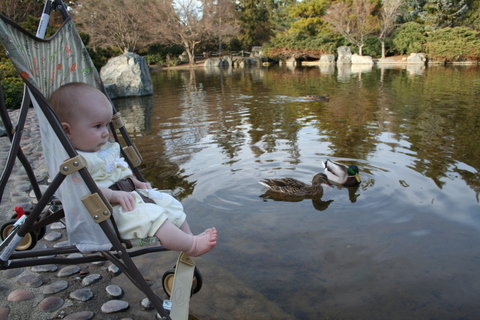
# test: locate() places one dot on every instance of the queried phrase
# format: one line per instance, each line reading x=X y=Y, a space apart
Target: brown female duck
x=293 y=187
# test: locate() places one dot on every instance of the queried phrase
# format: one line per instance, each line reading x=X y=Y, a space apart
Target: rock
x=44 y=268
x=344 y=55
x=215 y=62
x=4 y=313
x=291 y=62
x=114 y=291
x=57 y=226
x=82 y=315
x=20 y=295
x=417 y=58
x=52 y=236
x=12 y=273
x=114 y=270
x=83 y=294
x=55 y=287
x=68 y=271
x=50 y=304
x=113 y=306
x=126 y=76
x=91 y=279
x=3 y=131
x=327 y=59
x=357 y=59
x=30 y=280
x=146 y=304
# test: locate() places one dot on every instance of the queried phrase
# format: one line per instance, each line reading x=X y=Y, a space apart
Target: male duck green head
x=341 y=174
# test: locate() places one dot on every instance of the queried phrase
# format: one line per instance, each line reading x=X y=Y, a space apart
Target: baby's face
x=89 y=130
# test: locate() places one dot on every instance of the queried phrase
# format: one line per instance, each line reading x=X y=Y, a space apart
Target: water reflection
x=401 y=243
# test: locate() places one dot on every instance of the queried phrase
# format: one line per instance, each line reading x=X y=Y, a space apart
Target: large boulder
x=327 y=59
x=357 y=59
x=126 y=76
x=216 y=62
x=417 y=58
x=3 y=131
x=344 y=55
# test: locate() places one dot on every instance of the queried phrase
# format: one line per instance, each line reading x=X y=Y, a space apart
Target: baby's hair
x=66 y=97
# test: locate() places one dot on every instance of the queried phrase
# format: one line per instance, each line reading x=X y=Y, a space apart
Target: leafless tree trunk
x=354 y=21
x=387 y=20
x=116 y=22
x=18 y=11
x=189 y=22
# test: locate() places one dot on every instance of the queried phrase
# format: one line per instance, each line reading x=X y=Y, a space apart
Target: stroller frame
x=35 y=222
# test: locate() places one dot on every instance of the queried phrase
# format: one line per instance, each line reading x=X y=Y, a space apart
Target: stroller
x=72 y=196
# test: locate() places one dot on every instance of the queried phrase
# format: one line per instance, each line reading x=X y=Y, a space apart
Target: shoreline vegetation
x=400 y=60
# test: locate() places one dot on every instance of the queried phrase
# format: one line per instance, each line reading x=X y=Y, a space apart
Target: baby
x=85 y=113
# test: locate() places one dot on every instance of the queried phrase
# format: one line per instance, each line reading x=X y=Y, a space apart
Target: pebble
x=55 y=287
x=114 y=291
x=30 y=280
x=82 y=315
x=91 y=279
x=146 y=304
x=68 y=271
x=62 y=244
x=12 y=273
x=44 y=268
x=114 y=270
x=113 y=306
x=83 y=294
x=57 y=226
x=4 y=313
x=20 y=295
x=50 y=304
x=52 y=236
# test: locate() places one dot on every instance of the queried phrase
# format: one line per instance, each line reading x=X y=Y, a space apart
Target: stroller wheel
x=28 y=242
x=40 y=233
x=169 y=278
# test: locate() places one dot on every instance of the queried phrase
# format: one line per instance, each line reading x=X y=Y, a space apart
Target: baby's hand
x=125 y=199
x=143 y=185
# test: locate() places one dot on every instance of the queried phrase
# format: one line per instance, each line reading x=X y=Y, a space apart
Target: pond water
x=403 y=245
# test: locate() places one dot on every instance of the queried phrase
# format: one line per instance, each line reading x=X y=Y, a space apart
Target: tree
x=220 y=16
x=308 y=16
x=19 y=11
x=188 y=22
x=113 y=22
x=255 y=24
x=444 y=13
x=354 y=20
x=387 y=24
x=409 y=38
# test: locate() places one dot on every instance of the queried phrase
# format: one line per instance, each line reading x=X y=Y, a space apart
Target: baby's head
x=84 y=113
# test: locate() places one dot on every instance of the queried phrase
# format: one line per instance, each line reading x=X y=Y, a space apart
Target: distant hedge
x=453 y=44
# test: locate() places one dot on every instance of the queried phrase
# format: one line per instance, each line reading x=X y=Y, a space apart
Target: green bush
x=453 y=44
x=7 y=69
x=372 y=47
x=13 y=92
x=409 y=38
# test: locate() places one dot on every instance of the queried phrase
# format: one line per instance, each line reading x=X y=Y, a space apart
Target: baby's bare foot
x=203 y=243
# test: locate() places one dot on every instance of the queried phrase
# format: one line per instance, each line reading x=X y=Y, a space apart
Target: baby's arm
x=141 y=185
x=125 y=199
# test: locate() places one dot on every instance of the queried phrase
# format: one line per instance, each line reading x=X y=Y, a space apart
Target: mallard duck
x=313 y=97
x=293 y=187
x=341 y=174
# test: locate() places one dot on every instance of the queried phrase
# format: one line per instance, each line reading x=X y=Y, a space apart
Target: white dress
x=107 y=167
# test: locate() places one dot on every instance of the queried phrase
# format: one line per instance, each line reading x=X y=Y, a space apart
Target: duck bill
x=327 y=183
x=357 y=176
